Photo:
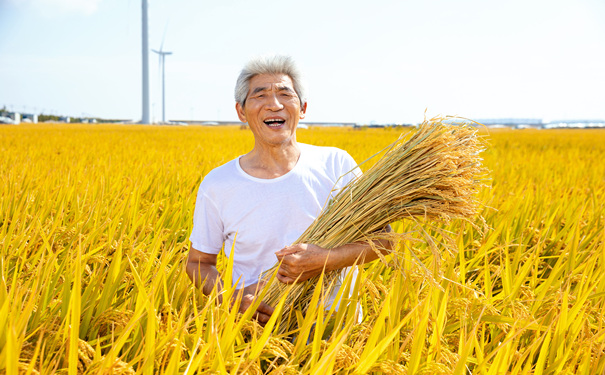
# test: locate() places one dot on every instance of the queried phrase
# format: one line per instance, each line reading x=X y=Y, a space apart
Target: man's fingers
x=262 y=318
x=285 y=251
x=263 y=313
x=265 y=309
x=285 y=274
x=245 y=303
x=285 y=279
x=290 y=278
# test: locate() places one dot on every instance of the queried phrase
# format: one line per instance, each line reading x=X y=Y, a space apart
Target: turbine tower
x=145 y=118
x=162 y=55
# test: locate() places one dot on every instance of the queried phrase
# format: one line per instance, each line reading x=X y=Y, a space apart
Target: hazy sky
x=384 y=61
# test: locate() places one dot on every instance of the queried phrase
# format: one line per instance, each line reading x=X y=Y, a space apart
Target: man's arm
x=201 y=269
x=303 y=261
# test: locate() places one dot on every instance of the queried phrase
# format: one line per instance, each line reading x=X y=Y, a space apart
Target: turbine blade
x=164 y=37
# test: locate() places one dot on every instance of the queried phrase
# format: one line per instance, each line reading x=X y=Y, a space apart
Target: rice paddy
x=94 y=226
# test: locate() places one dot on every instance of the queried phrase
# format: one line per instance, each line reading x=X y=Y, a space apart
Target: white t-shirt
x=258 y=217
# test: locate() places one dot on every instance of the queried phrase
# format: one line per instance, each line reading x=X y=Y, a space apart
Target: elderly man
x=261 y=202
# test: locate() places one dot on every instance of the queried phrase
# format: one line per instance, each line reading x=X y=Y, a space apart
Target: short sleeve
x=349 y=170
x=207 y=234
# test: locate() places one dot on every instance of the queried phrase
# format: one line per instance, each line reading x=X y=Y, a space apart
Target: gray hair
x=274 y=64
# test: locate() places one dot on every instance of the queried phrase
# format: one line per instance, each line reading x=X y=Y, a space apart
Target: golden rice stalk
x=435 y=175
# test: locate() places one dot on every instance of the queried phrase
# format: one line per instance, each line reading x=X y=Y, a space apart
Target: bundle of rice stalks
x=433 y=174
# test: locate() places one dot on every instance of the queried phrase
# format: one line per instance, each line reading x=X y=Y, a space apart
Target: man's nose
x=273 y=103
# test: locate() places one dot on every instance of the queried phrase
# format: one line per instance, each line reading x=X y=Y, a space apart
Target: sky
x=380 y=61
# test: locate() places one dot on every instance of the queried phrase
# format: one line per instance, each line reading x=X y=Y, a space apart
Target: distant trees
x=44 y=118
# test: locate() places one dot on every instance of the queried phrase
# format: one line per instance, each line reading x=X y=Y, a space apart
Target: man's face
x=272 y=109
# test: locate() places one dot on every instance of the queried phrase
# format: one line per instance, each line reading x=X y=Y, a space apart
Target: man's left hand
x=301 y=262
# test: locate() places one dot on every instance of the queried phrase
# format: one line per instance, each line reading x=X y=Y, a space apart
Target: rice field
x=94 y=226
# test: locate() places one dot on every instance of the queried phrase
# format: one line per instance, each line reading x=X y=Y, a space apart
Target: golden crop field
x=94 y=227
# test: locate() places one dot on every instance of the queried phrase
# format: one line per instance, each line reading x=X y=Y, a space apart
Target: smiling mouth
x=274 y=122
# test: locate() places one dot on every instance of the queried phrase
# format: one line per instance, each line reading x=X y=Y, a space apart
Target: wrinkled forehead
x=270 y=82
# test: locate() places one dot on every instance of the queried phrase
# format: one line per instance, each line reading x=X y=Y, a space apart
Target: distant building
x=5 y=120
x=13 y=118
x=30 y=117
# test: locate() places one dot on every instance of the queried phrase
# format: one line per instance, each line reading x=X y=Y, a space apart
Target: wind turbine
x=145 y=118
x=162 y=54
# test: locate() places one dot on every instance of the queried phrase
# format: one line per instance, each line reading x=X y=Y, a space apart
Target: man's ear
x=303 y=111
x=240 y=112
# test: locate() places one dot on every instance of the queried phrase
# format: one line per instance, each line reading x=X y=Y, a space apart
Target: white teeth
x=274 y=122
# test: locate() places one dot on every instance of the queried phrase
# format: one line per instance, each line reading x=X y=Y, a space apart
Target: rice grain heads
x=432 y=174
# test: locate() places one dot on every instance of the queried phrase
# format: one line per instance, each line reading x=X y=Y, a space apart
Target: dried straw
x=435 y=175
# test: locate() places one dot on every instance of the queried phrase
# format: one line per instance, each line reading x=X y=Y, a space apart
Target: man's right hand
x=201 y=269
x=263 y=311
